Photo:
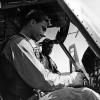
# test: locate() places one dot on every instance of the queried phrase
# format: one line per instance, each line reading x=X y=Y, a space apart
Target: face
x=47 y=49
x=38 y=30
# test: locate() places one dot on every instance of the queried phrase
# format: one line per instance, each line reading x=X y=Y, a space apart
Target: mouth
x=43 y=35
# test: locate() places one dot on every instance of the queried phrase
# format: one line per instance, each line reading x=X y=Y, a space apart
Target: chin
x=37 y=39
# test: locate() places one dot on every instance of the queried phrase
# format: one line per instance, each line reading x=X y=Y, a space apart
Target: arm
x=24 y=63
x=31 y=70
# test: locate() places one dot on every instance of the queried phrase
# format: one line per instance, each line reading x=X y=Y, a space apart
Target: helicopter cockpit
x=75 y=35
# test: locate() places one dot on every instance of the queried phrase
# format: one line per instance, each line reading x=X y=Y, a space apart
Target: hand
x=60 y=86
x=77 y=79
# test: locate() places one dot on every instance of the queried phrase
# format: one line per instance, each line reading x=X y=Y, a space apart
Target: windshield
x=75 y=43
x=84 y=15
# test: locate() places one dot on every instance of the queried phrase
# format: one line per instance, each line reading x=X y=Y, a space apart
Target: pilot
x=24 y=72
x=47 y=46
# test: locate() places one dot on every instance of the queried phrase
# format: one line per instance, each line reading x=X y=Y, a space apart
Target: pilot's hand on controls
x=77 y=78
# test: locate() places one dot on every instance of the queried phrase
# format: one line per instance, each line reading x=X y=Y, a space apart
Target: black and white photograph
x=49 y=49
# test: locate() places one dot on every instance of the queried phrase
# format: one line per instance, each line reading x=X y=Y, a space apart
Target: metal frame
x=80 y=26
